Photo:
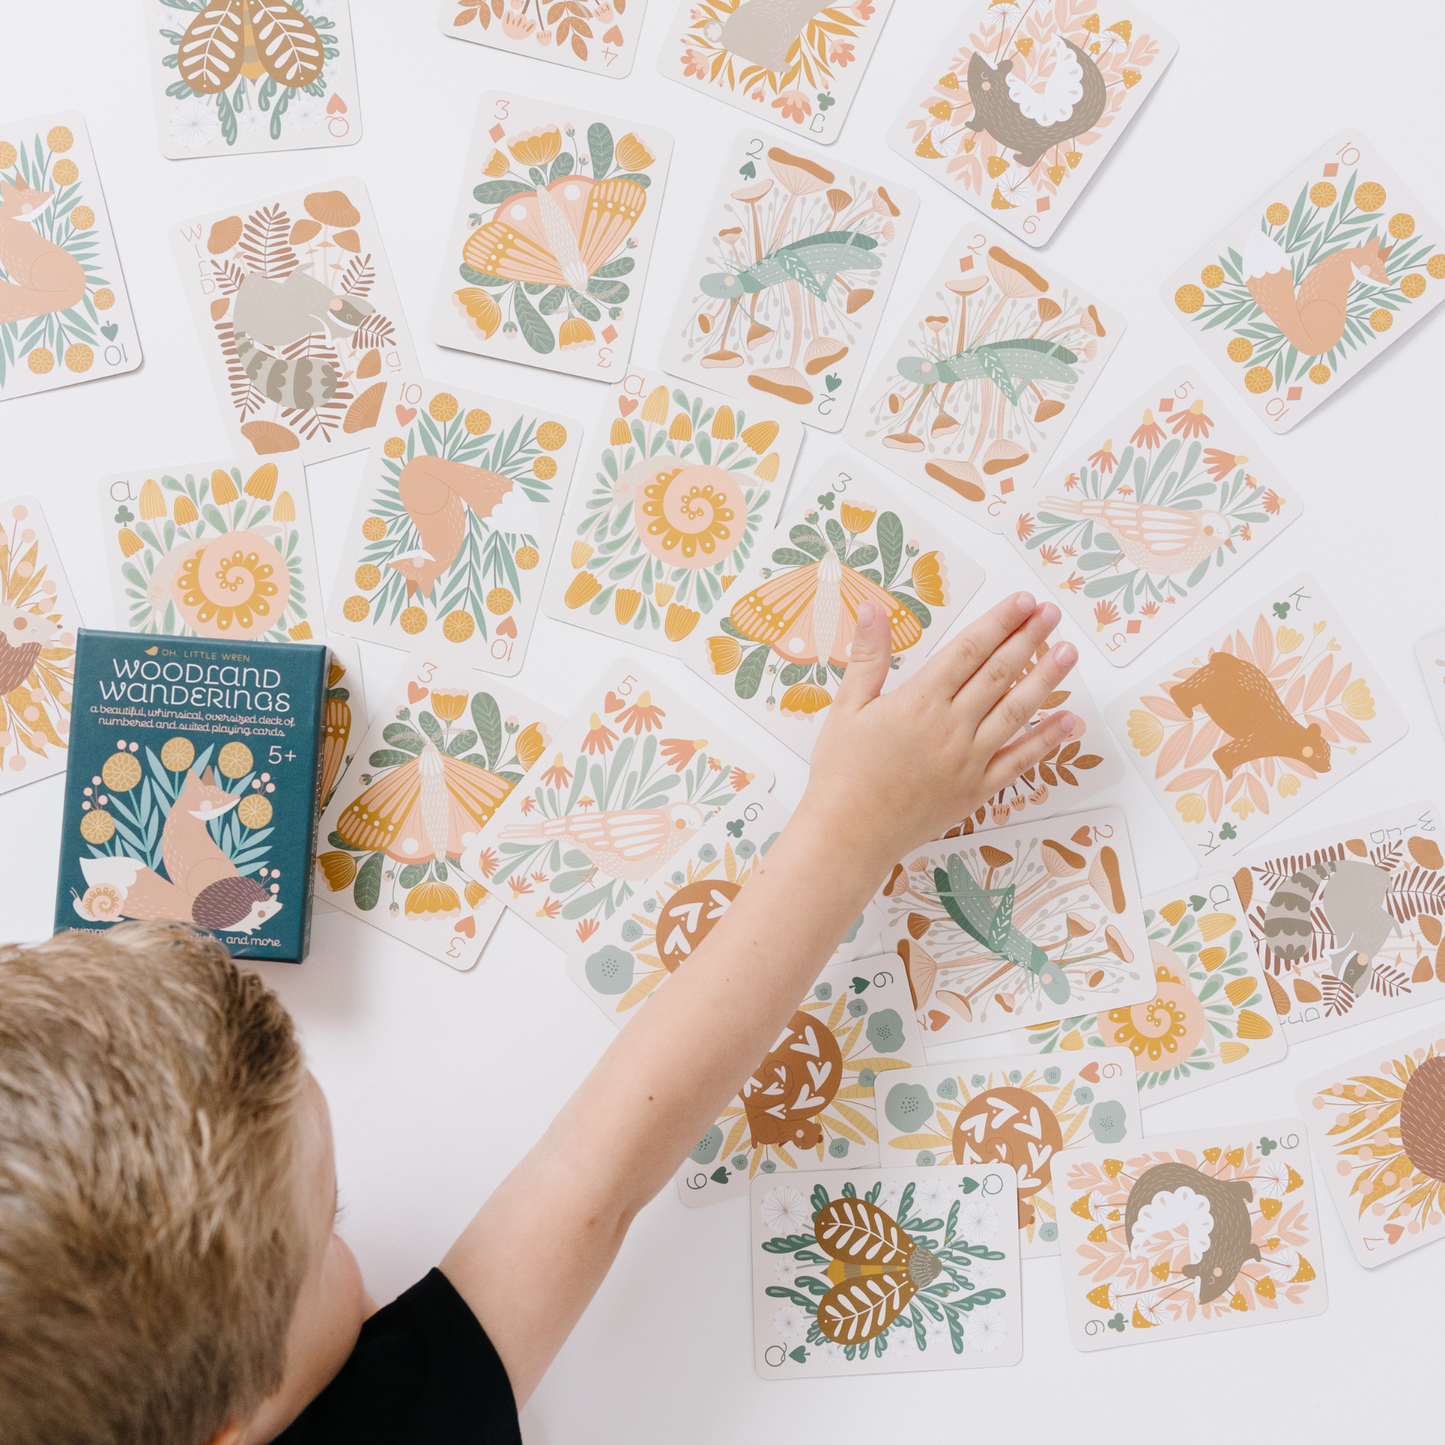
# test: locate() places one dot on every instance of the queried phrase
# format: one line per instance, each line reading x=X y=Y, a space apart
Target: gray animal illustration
x=997 y=112
x=1353 y=902
x=763 y=31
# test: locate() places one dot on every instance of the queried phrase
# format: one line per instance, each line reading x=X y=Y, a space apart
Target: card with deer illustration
x=1431 y=653
x=786 y=291
x=596 y=35
x=1313 y=281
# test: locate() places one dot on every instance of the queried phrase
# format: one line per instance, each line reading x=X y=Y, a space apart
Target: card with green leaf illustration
x=781 y=650
x=1210 y=1017
x=1313 y=281
x=1190 y=1234
x=552 y=237
x=1431 y=653
x=1266 y=713
x=980 y=383
x=671 y=503
x=1010 y=926
x=886 y=1271
x=1136 y=537
x=596 y=35
x=786 y=290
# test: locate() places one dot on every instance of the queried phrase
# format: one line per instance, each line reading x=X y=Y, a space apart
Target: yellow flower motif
x=1288 y=786
x=536 y=147
x=1278 y=213
x=725 y=654
x=433 y=900
x=1287 y=639
x=1322 y=193
x=632 y=155
x=1146 y=732
x=857 y=519
x=480 y=309
x=575 y=334
x=1190 y=807
x=804 y=699
x=1358 y=702
x=930 y=580
x=1369 y=196
x=1241 y=807
x=448 y=702
x=443 y=406
x=496 y=165
x=531 y=743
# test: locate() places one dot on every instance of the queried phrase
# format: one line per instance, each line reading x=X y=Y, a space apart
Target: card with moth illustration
x=1018 y=111
x=979 y=385
x=233 y=77
x=781 y=650
x=299 y=320
x=786 y=290
x=1431 y=653
x=1193 y=1234
x=675 y=491
x=552 y=237
x=1313 y=281
x=346 y=716
x=64 y=309
x=1143 y=521
x=596 y=35
x=1010 y=926
x=1260 y=719
x=886 y=1271
x=1347 y=922
x=1377 y=1125
x=453 y=525
x=1210 y=1017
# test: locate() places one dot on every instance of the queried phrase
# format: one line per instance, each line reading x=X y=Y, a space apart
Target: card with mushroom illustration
x=1313 y=281
x=979 y=385
x=596 y=35
x=552 y=237
x=1266 y=714
x=786 y=290
x=1431 y=653
x=672 y=501
x=1194 y=1234
x=453 y=525
x=1018 y=111
x=886 y=1271
x=299 y=319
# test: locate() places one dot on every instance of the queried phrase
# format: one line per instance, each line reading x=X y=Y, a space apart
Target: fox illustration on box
x=44 y=277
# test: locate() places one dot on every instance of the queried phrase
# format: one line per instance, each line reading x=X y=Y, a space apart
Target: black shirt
x=423 y=1371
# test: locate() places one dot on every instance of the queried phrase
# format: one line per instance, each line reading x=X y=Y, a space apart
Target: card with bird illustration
x=1018 y=111
x=1431 y=653
x=1138 y=525
x=236 y=77
x=64 y=309
x=596 y=35
x=781 y=650
x=886 y=1271
x=982 y=380
x=1264 y=715
x=786 y=290
x=1193 y=1234
x=1313 y=281
x=552 y=237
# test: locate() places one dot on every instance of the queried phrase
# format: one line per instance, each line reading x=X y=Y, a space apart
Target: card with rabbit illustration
x=1313 y=281
x=596 y=35
x=787 y=287
x=552 y=236
x=1257 y=721
x=1431 y=653
x=1136 y=526
x=980 y=383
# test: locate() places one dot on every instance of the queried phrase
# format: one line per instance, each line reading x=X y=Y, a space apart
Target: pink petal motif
x=1172 y=753
x=1205 y=742
x=1163 y=707
x=1263 y=643
x=1342 y=678
x=1319 y=679
x=1348 y=728
x=1194 y=778
x=1233 y=786
x=1294 y=693
x=1214 y=798
x=1257 y=794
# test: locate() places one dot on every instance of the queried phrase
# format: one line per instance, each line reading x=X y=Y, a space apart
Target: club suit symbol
x=627 y=843
x=1161 y=540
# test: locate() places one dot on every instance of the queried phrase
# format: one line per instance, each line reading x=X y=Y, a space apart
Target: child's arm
x=889 y=772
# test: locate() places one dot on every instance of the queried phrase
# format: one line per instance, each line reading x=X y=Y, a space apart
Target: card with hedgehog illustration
x=1017 y=112
x=886 y=1271
x=596 y=35
x=1192 y=1234
x=1261 y=718
x=1431 y=653
x=1313 y=281
x=299 y=319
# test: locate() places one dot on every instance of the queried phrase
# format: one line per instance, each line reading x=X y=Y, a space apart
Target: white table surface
x=440 y=1081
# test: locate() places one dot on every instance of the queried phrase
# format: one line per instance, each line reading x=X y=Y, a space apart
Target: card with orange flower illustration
x=1431 y=653
x=596 y=35
x=1260 y=719
x=980 y=383
x=1019 y=110
x=1138 y=525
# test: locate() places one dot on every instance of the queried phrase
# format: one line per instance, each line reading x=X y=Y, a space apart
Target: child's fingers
x=961 y=659
x=1013 y=710
x=1027 y=751
x=983 y=691
x=868 y=660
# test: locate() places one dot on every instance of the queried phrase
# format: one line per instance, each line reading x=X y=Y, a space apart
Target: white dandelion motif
x=985 y=1330
x=934 y=1196
x=193 y=124
x=889 y=1196
x=304 y=112
x=1273 y=1179
x=783 y=1269
x=977 y=1221
x=791 y=1322
x=901 y=1340
x=784 y=1209
x=251 y=121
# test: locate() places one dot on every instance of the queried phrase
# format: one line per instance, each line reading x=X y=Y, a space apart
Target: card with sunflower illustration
x=596 y=35
x=1261 y=718
x=672 y=501
x=1313 y=281
x=1431 y=653
x=1193 y=1234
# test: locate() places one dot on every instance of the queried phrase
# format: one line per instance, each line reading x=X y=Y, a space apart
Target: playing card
x=669 y=508
x=787 y=287
x=346 y=721
x=1431 y=653
x=400 y=834
x=975 y=391
x=846 y=541
x=1012 y=926
x=1136 y=537
x=596 y=35
x=1347 y=921
x=1210 y=1017
x=1312 y=282
x=795 y=63
x=886 y=1271
x=64 y=310
x=453 y=525
x=236 y=76
x=1194 y=1234
x=557 y=207
x=299 y=319
x=1377 y=1125
x=1026 y=104
x=1261 y=718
